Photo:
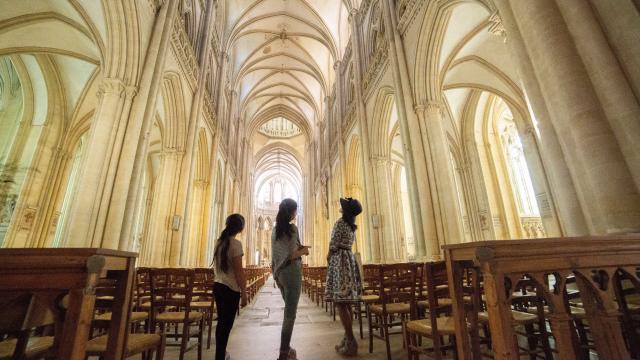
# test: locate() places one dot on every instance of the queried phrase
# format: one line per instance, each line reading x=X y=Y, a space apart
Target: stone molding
x=377 y=63
x=185 y=52
x=407 y=11
x=497 y=27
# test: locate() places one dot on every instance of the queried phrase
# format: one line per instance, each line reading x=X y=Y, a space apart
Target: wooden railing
x=592 y=274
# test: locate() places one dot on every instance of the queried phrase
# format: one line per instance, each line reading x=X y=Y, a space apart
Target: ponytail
x=234 y=225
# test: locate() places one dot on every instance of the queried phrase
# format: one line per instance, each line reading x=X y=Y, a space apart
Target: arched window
x=517 y=166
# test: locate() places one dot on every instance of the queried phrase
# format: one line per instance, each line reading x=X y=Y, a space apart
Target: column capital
x=353 y=13
x=429 y=107
x=380 y=160
x=130 y=91
x=166 y=152
x=337 y=64
x=111 y=86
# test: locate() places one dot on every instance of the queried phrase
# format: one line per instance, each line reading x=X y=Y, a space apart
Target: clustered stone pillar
x=447 y=219
x=93 y=191
x=414 y=151
x=181 y=237
x=572 y=90
x=371 y=208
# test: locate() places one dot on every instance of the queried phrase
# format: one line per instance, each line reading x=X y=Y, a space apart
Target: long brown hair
x=233 y=226
x=286 y=212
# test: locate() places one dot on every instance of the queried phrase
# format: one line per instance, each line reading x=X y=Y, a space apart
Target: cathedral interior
x=140 y=125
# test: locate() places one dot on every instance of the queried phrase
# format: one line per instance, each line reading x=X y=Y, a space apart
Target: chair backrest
x=370 y=279
x=22 y=312
x=142 y=286
x=203 y=279
x=171 y=288
x=436 y=285
x=397 y=284
x=105 y=298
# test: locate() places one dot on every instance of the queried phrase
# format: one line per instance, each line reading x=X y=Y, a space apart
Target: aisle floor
x=256 y=333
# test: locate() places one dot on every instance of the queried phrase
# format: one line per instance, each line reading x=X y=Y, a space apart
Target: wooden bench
x=598 y=265
x=64 y=281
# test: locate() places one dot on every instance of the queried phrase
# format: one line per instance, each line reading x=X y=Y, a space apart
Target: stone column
x=561 y=185
x=447 y=214
x=185 y=192
x=388 y=229
x=84 y=215
x=413 y=148
x=606 y=190
x=610 y=83
x=338 y=122
x=619 y=20
x=370 y=205
x=161 y=219
x=120 y=222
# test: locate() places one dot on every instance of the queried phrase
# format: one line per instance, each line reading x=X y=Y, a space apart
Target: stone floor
x=256 y=333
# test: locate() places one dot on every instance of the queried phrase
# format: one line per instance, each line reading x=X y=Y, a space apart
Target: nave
x=130 y=129
x=256 y=332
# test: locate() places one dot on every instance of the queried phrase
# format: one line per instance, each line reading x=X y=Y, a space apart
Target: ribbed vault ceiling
x=283 y=53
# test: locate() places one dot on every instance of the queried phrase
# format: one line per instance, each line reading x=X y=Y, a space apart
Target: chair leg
x=200 y=333
x=545 y=340
x=385 y=331
x=370 y=330
x=210 y=324
x=406 y=342
x=531 y=340
x=360 y=319
x=185 y=340
x=161 y=347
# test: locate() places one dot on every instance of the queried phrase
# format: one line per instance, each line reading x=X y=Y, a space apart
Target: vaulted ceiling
x=283 y=53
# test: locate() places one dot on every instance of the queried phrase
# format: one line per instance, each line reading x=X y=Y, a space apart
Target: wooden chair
x=628 y=297
x=397 y=286
x=435 y=327
x=171 y=296
x=104 y=303
x=136 y=343
x=142 y=299
x=203 y=290
x=370 y=295
x=528 y=298
x=17 y=320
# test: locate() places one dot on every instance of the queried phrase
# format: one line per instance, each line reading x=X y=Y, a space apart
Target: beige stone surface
x=141 y=125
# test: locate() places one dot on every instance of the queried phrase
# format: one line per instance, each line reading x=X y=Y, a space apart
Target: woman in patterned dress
x=343 y=275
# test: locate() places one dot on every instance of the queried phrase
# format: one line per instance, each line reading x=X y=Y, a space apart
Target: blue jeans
x=289 y=282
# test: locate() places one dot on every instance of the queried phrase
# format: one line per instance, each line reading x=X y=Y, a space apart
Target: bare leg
x=346 y=318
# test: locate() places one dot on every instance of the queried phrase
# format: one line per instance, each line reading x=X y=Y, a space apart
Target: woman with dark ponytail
x=343 y=275
x=229 y=286
x=286 y=266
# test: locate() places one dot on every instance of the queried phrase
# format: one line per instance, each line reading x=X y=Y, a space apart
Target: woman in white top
x=229 y=287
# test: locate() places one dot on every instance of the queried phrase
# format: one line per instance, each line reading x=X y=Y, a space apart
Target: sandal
x=291 y=355
x=350 y=349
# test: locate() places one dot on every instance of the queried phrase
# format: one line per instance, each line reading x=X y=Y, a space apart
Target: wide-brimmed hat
x=350 y=206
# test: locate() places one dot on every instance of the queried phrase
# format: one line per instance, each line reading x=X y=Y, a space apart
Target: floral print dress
x=343 y=274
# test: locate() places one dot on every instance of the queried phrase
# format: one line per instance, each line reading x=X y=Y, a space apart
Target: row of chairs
x=163 y=299
x=413 y=300
x=183 y=299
